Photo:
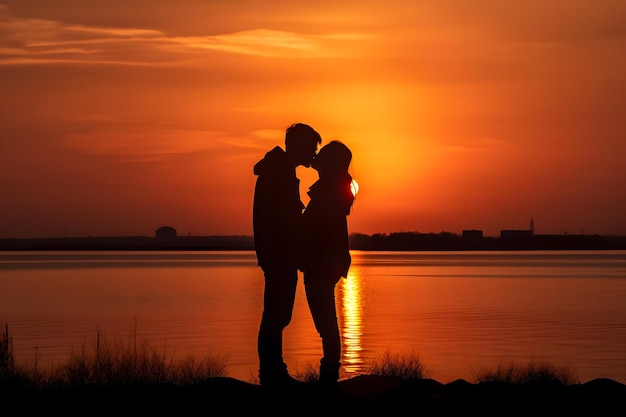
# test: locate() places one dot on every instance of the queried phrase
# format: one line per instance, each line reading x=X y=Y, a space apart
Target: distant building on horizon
x=472 y=234
x=165 y=232
x=519 y=234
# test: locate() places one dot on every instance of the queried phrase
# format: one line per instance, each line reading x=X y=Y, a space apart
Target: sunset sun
x=354 y=187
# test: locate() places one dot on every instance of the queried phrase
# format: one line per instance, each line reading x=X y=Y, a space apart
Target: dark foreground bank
x=365 y=393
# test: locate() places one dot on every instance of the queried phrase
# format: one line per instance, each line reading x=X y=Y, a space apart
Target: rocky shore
x=361 y=394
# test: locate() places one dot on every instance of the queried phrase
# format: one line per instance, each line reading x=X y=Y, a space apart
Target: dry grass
x=401 y=365
x=308 y=373
x=9 y=373
x=409 y=366
x=529 y=373
x=133 y=362
x=113 y=363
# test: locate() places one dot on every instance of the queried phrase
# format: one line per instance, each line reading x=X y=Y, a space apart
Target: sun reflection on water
x=351 y=324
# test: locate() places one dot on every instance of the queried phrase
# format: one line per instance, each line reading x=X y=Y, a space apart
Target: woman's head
x=333 y=158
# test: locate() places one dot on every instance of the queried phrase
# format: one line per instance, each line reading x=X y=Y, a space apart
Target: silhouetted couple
x=289 y=237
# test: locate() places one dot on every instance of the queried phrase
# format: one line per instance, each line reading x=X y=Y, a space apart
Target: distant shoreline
x=404 y=241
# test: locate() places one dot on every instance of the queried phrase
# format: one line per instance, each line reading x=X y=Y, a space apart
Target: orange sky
x=121 y=116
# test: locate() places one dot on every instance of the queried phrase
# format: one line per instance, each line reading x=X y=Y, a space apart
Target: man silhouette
x=276 y=218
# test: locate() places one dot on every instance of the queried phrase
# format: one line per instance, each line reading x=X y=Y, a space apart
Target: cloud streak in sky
x=41 y=41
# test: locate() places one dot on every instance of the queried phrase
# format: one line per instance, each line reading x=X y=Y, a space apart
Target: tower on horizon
x=532 y=226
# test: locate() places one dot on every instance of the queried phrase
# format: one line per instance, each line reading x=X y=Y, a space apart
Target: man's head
x=301 y=142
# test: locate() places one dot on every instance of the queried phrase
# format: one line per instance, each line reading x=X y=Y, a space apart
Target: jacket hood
x=270 y=160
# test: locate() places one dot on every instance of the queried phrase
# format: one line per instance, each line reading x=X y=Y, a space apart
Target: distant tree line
x=398 y=241
x=415 y=241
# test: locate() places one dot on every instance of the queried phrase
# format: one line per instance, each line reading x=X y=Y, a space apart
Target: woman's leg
x=320 y=295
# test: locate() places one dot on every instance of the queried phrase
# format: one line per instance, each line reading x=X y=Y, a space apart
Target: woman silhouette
x=326 y=254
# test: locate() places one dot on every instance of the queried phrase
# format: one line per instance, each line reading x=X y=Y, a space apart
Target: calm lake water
x=461 y=312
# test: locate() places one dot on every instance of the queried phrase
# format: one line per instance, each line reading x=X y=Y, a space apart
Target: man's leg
x=278 y=300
